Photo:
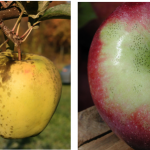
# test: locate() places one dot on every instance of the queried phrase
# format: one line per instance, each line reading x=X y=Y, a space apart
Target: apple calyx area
x=30 y=90
x=119 y=73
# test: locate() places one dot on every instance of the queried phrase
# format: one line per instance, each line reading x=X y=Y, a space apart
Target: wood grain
x=107 y=142
x=94 y=134
x=90 y=125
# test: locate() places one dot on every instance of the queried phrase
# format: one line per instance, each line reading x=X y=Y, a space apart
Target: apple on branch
x=30 y=85
x=119 y=73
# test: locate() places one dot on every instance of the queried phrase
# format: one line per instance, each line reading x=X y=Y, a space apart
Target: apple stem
x=19 y=53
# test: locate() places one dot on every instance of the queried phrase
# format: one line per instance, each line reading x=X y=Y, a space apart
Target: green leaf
x=85 y=14
x=62 y=11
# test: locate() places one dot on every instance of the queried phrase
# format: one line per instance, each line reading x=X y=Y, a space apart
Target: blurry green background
x=51 y=40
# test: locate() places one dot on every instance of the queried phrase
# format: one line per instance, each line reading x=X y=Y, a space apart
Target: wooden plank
x=107 y=142
x=93 y=133
x=101 y=143
x=90 y=125
x=120 y=145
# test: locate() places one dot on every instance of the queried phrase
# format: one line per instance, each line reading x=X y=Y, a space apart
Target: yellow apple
x=30 y=90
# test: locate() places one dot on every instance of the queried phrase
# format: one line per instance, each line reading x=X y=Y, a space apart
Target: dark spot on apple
x=141 y=52
x=32 y=62
x=1 y=125
x=1 y=115
x=5 y=68
x=3 y=106
x=8 y=93
x=2 y=86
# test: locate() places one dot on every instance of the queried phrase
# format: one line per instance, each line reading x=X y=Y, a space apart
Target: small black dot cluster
x=113 y=30
x=141 y=52
x=137 y=87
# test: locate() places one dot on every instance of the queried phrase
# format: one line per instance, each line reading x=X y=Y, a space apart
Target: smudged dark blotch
x=6 y=68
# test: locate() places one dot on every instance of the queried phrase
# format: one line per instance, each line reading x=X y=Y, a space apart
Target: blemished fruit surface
x=30 y=90
x=119 y=73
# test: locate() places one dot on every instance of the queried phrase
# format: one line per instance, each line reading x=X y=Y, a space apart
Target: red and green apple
x=119 y=73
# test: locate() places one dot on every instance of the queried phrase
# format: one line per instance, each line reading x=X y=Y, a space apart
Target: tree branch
x=10 y=13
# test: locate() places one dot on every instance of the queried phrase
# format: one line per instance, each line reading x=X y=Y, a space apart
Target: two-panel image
x=113 y=74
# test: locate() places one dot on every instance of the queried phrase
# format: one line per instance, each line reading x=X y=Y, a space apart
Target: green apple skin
x=30 y=90
x=119 y=73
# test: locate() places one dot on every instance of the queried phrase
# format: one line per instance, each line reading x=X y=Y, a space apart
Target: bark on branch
x=10 y=13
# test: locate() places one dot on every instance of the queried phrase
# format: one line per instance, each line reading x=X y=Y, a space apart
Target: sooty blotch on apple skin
x=5 y=74
x=141 y=53
x=8 y=93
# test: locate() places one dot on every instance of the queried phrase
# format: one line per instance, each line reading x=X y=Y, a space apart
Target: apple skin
x=119 y=73
x=30 y=90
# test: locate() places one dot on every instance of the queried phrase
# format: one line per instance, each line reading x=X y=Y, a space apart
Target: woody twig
x=10 y=34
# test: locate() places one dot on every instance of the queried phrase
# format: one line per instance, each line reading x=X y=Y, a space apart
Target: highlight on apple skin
x=119 y=73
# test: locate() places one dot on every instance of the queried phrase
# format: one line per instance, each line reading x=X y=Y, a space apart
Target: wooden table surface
x=94 y=134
